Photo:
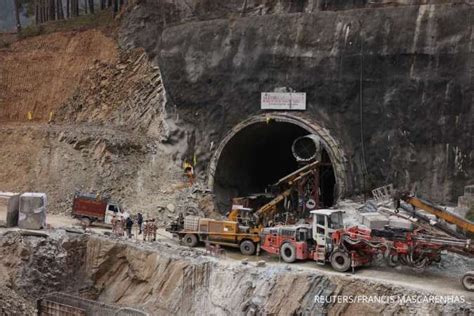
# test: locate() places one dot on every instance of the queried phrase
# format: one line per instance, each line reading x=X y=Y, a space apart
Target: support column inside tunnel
x=257 y=152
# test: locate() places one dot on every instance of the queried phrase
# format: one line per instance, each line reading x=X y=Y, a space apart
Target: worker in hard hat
x=189 y=171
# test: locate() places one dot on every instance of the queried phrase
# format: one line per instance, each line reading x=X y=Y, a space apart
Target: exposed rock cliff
x=400 y=76
x=176 y=280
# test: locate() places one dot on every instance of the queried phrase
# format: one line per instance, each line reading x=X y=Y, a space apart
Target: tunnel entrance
x=257 y=156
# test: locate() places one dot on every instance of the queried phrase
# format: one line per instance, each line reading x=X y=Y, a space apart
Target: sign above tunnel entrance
x=283 y=101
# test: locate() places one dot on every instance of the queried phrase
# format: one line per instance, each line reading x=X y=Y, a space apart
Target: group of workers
x=124 y=224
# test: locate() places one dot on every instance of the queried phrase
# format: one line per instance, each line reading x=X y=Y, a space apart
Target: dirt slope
x=38 y=74
x=109 y=133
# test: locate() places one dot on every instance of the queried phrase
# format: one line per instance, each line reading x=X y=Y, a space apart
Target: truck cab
x=290 y=242
x=113 y=209
x=326 y=222
x=306 y=241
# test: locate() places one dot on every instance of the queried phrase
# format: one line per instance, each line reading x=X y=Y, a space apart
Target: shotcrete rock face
x=256 y=157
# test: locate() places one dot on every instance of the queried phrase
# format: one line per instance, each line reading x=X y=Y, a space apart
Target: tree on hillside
x=17 y=14
x=59 y=10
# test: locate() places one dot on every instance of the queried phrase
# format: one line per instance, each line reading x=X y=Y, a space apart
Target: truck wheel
x=247 y=247
x=468 y=281
x=392 y=260
x=340 y=261
x=190 y=240
x=85 y=221
x=288 y=252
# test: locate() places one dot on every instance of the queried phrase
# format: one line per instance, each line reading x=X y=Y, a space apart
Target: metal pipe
x=307 y=148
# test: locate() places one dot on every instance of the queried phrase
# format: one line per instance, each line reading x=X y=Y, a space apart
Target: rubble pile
x=13 y=304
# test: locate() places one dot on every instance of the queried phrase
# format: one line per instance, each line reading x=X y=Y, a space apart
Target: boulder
x=9 y=205
x=32 y=213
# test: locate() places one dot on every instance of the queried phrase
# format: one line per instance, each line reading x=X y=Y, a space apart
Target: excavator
x=247 y=219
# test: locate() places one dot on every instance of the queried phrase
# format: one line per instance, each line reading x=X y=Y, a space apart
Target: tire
x=247 y=247
x=288 y=252
x=190 y=240
x=86 y=221
x=340 y=261
x=468 y=281
x=392 y=260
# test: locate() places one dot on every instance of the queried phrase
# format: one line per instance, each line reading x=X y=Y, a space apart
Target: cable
x=361 y=101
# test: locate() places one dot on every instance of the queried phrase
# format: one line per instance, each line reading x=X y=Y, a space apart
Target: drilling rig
x=244 y=222
x=327 y=240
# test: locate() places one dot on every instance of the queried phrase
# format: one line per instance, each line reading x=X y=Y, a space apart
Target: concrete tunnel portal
x=258 y=151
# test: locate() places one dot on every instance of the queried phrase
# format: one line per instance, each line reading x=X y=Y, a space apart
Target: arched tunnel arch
x=257 y=152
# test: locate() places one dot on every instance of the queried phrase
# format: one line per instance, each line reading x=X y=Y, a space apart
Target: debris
x=261 y=263
x=244 y=261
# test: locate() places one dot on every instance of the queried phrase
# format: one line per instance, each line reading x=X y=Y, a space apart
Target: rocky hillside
x=79 y=113
x=176 y=280
x=399 y=74
x=392 y=84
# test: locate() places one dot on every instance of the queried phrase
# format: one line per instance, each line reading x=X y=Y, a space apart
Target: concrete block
x=397 y=222
x=360 y=216
x=374 y=220
x=9 y=206
x=32 y=213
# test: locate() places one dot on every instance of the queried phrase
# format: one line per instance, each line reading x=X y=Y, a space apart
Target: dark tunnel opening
x=259 y=155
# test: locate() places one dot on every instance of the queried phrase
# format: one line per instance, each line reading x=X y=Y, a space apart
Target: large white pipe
x=307 y=148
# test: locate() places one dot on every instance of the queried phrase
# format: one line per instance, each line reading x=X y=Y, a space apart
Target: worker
x=129 y=225
x=140 y=223
x=189 y=171
x=114 y=225
x=145 y=230
x=153 y=229
x=120 y=226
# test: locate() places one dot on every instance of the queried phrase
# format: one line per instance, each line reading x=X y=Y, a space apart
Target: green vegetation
x=30 y=31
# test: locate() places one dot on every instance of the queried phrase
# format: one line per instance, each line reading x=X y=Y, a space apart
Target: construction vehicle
x=244 y=223
x=464 y=227
x=91 y=208
x=327 y=240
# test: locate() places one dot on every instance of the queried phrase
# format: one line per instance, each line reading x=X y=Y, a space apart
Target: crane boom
x=287 y=181
x=431 y=208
